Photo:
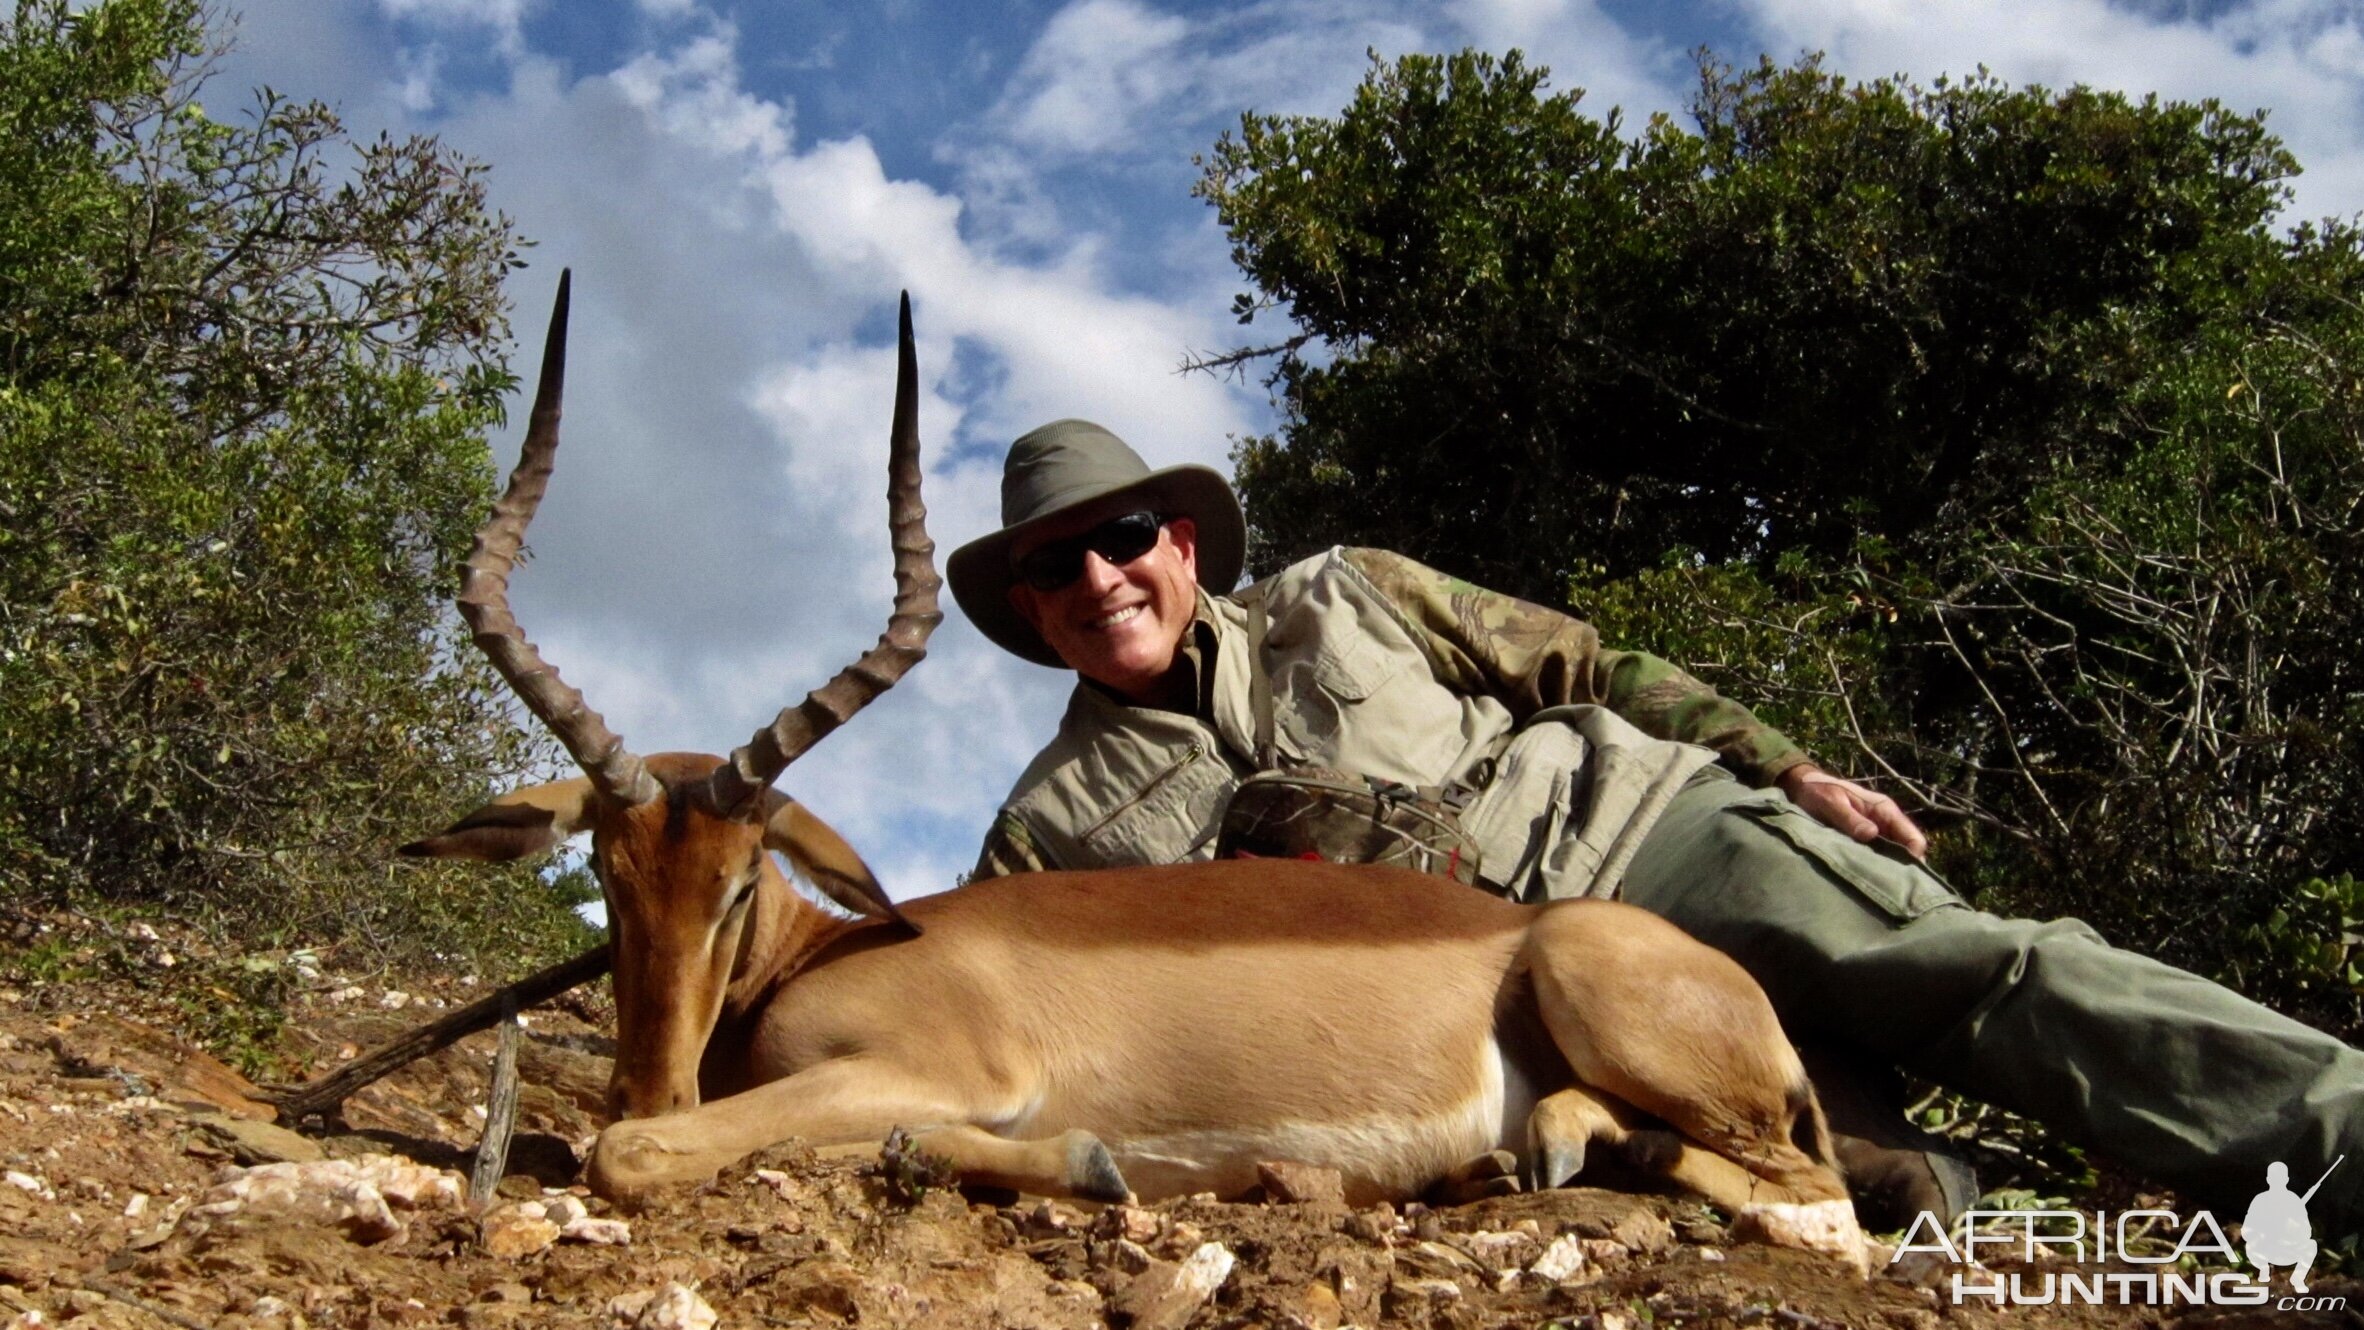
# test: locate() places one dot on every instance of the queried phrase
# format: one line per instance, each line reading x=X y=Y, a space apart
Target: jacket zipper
x=1156 y=783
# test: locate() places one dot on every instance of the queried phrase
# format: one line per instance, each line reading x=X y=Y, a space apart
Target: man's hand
x=1862 y=813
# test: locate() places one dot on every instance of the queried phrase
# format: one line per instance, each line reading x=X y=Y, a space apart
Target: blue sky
x=742 y=189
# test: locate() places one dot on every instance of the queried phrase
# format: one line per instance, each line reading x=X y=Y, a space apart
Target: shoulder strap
x=1259 y=684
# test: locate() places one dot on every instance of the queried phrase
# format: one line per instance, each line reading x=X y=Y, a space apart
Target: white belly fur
x=1381 y=1158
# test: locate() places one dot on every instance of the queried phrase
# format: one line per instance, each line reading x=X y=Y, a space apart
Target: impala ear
x=520 y=823
x=826 y=860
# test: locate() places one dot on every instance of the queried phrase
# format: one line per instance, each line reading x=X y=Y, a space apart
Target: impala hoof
x=1494 y=1173
x=1092 y=1172
x=1557 y=1163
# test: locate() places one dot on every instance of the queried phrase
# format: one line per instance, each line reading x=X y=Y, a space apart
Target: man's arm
x=1530 y=657
x=1008 y=849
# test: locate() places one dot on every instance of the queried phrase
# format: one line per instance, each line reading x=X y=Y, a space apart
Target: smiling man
x=1581 y=770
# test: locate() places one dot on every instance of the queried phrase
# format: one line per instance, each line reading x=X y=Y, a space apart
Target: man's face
x=1116 y=624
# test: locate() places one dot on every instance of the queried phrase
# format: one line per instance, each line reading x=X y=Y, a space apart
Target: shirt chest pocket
x=1319 y=696
x=1171 y=820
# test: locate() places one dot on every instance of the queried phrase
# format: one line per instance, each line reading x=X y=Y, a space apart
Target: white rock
x=414 y=1186
x=349 y=993
x=356 y=1195
x=1204 y=1270
x=1824 y=1226
x=1500 y=1251
x=675 y=1307
x=136 y=1206
x=598 y=1232
x=1560 y=1262
x=28 y=1182
x=394 y=1000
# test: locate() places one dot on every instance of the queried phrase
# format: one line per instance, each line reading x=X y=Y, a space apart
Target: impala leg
x=1566 y=1128
x=1561 y=1132
x=1072 y=1163
x=1647 y=1015
x=845 y=1101
x=850 y=1102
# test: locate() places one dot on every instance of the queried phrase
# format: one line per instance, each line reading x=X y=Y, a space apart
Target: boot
x=1895 y=1171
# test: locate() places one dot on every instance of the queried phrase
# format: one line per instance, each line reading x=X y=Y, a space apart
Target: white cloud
x=2304 y=59
x=1584 y=48
x=1097 y=66
x=1119 y=77
x=506 y=18
x=693 y=94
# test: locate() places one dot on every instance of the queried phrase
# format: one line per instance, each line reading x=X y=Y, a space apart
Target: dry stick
x=500 y=1115
x=297 y=1102
x=131 y=1299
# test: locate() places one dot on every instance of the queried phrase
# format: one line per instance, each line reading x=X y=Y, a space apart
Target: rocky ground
x=140 y=1190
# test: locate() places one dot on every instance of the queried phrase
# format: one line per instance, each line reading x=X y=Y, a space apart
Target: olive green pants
x=2172 y=1076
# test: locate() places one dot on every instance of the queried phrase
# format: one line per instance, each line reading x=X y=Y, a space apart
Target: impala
x=1127 y=1033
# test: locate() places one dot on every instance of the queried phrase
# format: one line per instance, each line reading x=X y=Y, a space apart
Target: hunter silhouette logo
x=2276 y=1231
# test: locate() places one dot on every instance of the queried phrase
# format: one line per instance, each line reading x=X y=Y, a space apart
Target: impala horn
x=484 y=594
x=735 y=785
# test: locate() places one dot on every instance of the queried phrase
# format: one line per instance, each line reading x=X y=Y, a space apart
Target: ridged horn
x=484 y=593
x=760 y=761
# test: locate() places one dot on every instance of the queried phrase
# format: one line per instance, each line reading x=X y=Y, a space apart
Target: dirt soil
x=113 y=1128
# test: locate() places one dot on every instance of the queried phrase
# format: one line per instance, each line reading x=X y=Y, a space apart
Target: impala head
x=680 y=842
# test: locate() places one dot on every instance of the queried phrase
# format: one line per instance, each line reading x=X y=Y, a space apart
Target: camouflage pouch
x=1319 y=813
x=1310 y=812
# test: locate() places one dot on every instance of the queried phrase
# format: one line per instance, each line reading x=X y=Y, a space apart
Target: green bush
x=246 y=368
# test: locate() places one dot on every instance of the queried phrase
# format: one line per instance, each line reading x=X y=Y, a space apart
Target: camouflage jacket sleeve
x=1008 y=849
x=1529 y=658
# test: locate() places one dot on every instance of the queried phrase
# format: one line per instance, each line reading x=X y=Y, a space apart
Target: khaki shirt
x=1388 y=668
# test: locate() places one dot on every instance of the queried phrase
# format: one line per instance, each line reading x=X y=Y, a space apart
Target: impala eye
x=741 y=891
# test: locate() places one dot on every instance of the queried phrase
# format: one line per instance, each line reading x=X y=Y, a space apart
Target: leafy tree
x=1992 y=440
x=1834 y=307
x=246 y=367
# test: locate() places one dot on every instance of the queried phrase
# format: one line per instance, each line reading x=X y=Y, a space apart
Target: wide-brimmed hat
x=1069 y=464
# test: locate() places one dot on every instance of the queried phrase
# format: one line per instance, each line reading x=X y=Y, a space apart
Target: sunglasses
x=1119 y=540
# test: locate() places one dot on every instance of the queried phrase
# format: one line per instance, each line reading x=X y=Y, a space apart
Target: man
x=1591 y=771
x=2275 y=1231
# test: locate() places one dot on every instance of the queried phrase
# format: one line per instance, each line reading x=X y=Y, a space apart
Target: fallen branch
x=500 y=1116
x=131 y=1299
x=297 y=1102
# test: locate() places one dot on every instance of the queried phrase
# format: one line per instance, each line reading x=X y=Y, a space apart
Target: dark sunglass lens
x=1120 y=540
x=1052 y=566
x=1124 y=539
